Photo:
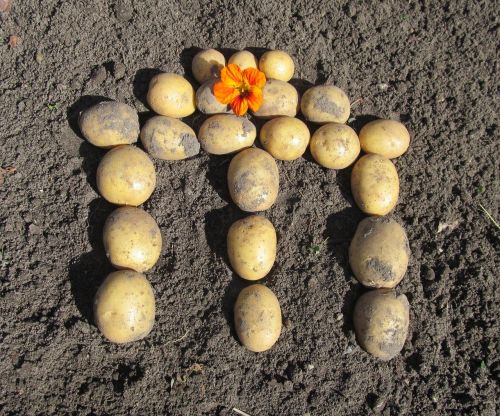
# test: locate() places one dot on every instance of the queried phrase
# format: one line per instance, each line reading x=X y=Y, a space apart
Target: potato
x=379 y=252
x=251 y=247
x=381 y=320
x=286 y=138
x=277 y=65
x=253 y=180
x=244 y=60
x=206 y=101
x=375 y=184
x=126 y=176
x=171 y=95
x=168 y=138
x=279 y=99
x=325 y=104
x=335 y=146
x=132 y=239
x=388 y=138
x=257 y=318
x=207 y=64
x=226 y=133
x=110 y=124
x=124 y=307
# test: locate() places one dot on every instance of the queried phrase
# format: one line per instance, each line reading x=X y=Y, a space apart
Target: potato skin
x=171 y=95
x=335 y=146
x=379 y=252
x=285 y=138
x=206 y=101
x=253 y=180
x=226 y=133
x=277 y=65
x=207 y=64
x=244 y=60
x=126 y=176
x=325 y=104
x=280 y=99
x=388 y=138
x=257 y=318
x=168 y=138
x=109 y=123
x=381 y=320
x=251 y=247
x=132 y=239
x=124 y=307
x=375 y=184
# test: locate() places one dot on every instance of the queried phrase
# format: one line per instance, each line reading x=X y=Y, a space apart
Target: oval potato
x=253 y=180
x=126 y=176
x=257 y=318
x=171 y=95
x=207 y=64
x=244 y=59
x=251 y=247
x=110 y=124
x=279 y=99
x=124 y=307
x=379 y=252
x=335 y=146
x=325 y=104
x=277 y=65
x=168 y=138
x=381 y=320
x=132 y=239
x=206 y=101
x=226 y=133
x=285 y=138
x=388 y=138
x=375 y=184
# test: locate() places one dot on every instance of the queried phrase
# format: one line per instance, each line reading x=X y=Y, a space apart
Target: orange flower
x=240 y=89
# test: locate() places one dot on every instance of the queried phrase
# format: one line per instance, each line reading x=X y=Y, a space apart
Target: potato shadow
x=301 y=85
x=141 y=83
x=340 y=229
x=357 y=122
x=91 y=155
x=217 y=168
x=229 y=299
x=186 y=59
x=87 y=271
x=343 y=179
x=83 y=103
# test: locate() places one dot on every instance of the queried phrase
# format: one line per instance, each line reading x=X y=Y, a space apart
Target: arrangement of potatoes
x=378 y=254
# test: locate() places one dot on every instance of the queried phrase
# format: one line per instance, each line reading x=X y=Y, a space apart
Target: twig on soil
x=240 y=412
x=178 y=339
x=489 y=216
x=359 y=100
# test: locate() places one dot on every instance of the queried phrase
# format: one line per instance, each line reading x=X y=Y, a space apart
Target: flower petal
x=223 y=93
x=239 y=106
x=254 y=77
x=231 y=75
x=254 y=98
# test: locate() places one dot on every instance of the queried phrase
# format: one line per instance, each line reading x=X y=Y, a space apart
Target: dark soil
x=432 y=65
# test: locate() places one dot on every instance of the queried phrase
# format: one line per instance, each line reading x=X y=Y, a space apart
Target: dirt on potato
x=431 y=65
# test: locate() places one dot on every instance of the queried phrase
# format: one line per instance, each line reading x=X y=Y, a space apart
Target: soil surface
x=432 y=65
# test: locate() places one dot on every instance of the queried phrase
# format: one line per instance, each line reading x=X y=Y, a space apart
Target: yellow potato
x=379 y=252
x=335 y=146
x=207 y=64
x=279 y=99
x=381 y=320
x=388 y=138
x=168 y=138
x=206 y=101
x=171 y=95
x=253 y=180
x=375 y=184
x=286 y=138
x=126 y=176
x=257 y=318
x=124 y=307
x=277 y=65
x=325 y=104
x=244 y=60
x=132 y=239
x=226 y=133
x=110 y=124
x=251 y=247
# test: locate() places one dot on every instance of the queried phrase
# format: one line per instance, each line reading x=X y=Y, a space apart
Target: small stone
x=98 y=75
x=383 y=86
x=429 y=274
x=34 y=229
x=310 y=367
x=39 y=57
x=5 y=6
x=115 y=376
x=124 y=10
x=118 y=70
x=14 y=41
x=288 y=385
x=379 y=404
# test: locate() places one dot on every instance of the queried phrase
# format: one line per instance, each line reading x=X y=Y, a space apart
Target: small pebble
x=39 y=57
x=98 y=75
x=5 y=6
x=118 y=70
x=14 y=41
x=379 y=404
x=124 y=10
x=34 y=229
x=310 y=367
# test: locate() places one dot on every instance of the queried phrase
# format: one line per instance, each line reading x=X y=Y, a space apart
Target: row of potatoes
x=126 y=176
